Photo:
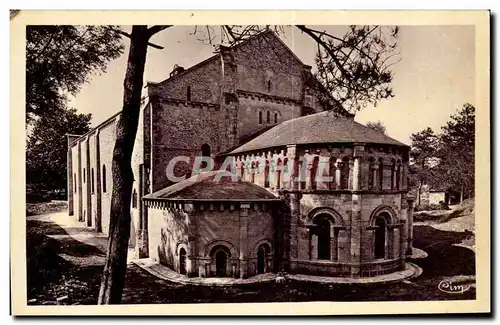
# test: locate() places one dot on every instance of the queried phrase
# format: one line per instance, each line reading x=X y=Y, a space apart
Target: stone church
x=314 y=191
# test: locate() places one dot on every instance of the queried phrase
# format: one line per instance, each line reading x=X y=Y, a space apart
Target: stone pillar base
x=409 y=248
x=142 y=247
x=355 y=271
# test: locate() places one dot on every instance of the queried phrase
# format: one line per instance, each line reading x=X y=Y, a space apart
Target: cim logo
x=449 y=287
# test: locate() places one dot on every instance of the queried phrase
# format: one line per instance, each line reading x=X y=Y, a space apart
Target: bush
x=431 y=207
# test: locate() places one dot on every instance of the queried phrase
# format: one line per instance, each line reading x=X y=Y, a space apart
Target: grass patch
x=34 y=209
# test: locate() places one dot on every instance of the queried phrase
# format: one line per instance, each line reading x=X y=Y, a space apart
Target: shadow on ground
x=50 y=276
x=444 y=258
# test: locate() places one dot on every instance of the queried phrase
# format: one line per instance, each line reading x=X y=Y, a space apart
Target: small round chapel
x=319 y=194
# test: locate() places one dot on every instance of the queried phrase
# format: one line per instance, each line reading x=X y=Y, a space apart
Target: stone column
x=313 y=246
x=69 y=175
x=409 y=248
x=403 y=230
x=308 y=161
x=191 y=253
x=356 y=222
x=338 y=168
x=334 y=244
x=244 y=207
x=404 y=176
x=322 y=181
x=98 y=217
x=80 y=187
x=390 y=242
x=88 y=183
x=403 y=237
x=374 y=167
x=294 y=224
x=356 y=174
x=394 y=176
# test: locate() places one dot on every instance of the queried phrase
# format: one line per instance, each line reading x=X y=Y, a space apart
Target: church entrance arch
x=182 y=261
x=220 y=263
x=220 y=255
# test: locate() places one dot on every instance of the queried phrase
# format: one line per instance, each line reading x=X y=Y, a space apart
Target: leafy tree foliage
x=47 y=147
x=446 y=160
x=60 y=59
x=456 y=151
x=377 y=126
x=423 y=153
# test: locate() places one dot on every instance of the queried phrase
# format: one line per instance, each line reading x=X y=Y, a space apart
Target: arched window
x=269 y=85
x=84 y=173
x=371 y=173
x=260 y=117
x=92 y=181
x=104 y=187
x=323 y=232
x=380 y=173
x=134 y=199
x=380 y=236
x=331 y=172
x=266 y=174
x=268 y=117
x=314 y=173
x=188 y=93
x=393 y=174
x=205 y=150
x=205 y=153
x=344 y=174
x=275 y=118
x=262 y=253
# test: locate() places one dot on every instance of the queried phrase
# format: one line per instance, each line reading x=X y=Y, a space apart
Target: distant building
x=316 y=192
x=430 y=195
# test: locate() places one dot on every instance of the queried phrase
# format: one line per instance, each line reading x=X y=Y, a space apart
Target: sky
x=433 y=80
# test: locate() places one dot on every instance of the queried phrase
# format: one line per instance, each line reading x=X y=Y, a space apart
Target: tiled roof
x=323 y=127
x=206 y=186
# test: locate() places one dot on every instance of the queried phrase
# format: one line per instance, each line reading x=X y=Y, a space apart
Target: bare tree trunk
x=113 y=277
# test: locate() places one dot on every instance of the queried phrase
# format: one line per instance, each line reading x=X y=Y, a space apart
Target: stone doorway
x=182 y=261
x=220 y=263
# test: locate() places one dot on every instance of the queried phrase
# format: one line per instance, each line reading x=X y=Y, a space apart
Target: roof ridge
x=216 y=55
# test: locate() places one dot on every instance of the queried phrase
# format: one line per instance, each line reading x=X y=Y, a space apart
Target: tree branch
x=326 y=47
x=157 y=28
x=130 y=36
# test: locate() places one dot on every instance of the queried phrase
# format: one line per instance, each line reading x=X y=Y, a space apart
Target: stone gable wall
x=203 y=79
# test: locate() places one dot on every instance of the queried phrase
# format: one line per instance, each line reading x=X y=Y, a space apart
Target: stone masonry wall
x=106 y=144
x=166 y=229
x=180 y=131
x=249 y=113
x=204 y=80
